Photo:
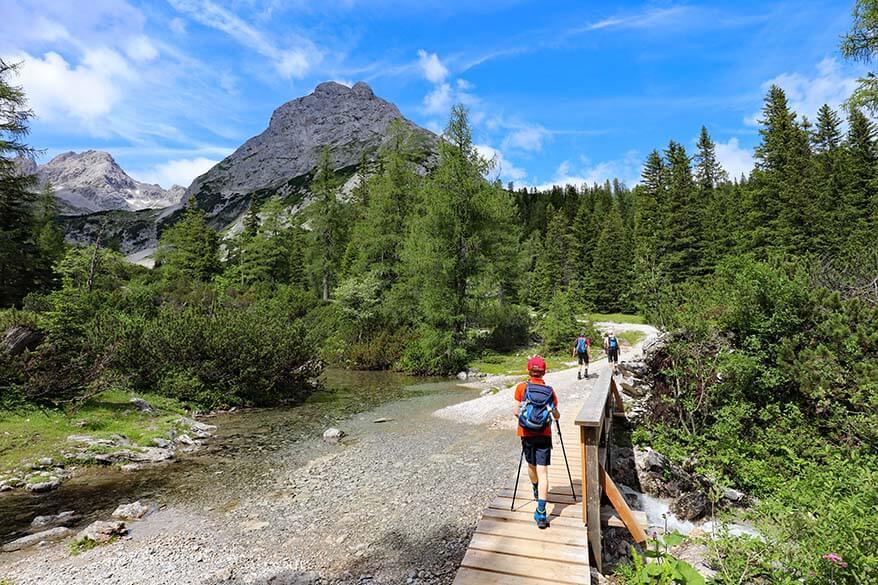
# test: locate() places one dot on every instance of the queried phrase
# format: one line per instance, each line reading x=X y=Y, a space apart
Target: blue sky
x=558 y=91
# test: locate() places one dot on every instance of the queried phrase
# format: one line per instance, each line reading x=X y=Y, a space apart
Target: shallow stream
x=245 y=447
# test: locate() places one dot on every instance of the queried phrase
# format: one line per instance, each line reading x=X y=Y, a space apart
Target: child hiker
x=534 y=403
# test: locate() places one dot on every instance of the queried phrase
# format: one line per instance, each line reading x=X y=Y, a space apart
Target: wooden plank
x=617 y=397
x=593 y=494
x=556 y=534
x=621 y=506
x=554 y=496
x=570 y=515
x=583 y=479
x=527 y=517
x=467 y=576
x=592 y=412
x=552 y=572
x=553 y=509
x=530 y=548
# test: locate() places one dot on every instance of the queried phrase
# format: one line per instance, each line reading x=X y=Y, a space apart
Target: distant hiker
x=611 y=344
x=535 y=405
x=580 y=351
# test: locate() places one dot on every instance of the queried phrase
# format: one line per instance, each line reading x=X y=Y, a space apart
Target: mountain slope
x=91 y=181
x=350 y=121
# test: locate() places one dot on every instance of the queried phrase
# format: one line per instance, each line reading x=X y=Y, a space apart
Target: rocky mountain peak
x=91 y=181
x=349 y=121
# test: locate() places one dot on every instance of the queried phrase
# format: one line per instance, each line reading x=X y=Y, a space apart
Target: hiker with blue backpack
x=536 y=405
x=611 y=345
x=580 y=351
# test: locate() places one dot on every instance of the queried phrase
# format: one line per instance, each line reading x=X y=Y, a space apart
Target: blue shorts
x=537 y=450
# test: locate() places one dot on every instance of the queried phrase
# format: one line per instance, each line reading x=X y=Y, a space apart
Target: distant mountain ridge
x=92 y=181
x=279 y=162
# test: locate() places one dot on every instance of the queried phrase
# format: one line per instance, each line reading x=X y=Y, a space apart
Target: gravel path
x=394 y=502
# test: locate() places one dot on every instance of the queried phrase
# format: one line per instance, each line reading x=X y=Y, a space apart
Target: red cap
x=536 y=364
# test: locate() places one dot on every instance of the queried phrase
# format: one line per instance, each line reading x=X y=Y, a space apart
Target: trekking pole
x=566 y=463
x=520 y=459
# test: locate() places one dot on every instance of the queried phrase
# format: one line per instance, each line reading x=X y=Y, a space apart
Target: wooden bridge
x=508 y=548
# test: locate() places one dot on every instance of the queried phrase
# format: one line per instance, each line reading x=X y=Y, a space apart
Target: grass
x=616 y=318
x=30 y=433
x=631 y=337
x=81 y=545
x=514 y=363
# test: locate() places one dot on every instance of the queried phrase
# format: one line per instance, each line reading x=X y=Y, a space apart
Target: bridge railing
x=595 y=422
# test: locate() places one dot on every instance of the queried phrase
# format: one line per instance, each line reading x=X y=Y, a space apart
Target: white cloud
x=439 y=100
x=503 y=168
x=432 y=68
x=626 y=169
x=141 y=49
x=648 y=19
x=734 y=159
x=176 y=172
x=831 y=85
x=177 y=25
x=294 y=62
x=86 y=92
x=528 y=138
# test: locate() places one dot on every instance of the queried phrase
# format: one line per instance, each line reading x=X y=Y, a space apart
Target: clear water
x=246 y=446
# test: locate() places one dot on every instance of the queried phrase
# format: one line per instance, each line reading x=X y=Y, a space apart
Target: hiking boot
x=579 y=375
x=542 y=519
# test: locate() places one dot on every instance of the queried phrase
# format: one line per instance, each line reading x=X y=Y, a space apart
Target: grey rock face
x=280 y=160
x=91 y=181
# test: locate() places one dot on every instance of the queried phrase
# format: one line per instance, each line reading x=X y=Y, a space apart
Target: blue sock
x=541 y=506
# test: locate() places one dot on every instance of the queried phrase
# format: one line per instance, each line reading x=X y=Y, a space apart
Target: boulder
x=332 y=435
x=690 y=506
x=161 y=443
x=152 y=455
x=462 y=376
x=142 y=405
x=637 y=369
x=194 y=425
x=133 y=511
x=60 y=519
x=19 y=338
x=33 y=539
x=102 y=531
x=46 y=484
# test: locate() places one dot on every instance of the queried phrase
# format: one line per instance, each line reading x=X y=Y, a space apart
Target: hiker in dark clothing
x=580 y=351
x=611 y=345
x=536 y=443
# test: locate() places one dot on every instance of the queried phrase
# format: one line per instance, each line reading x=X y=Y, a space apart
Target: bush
x=508 y=326
x=253 y=356
x=560 y=326
x=433 y=352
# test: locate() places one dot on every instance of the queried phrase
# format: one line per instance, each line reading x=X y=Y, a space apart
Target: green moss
x=29 y=433
x=82 y=545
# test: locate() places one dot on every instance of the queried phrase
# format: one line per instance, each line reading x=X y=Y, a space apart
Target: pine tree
x=681 y=252
x=780 y=203
x=19 y=253
x=554 y=268
x=189 y=248
x=608 y=273
x=709 y=173
x=448 y=248
x=826 y=141
x=857 y=202
x=325 y=214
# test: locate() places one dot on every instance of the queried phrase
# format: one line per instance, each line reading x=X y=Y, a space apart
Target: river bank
x=268 y=501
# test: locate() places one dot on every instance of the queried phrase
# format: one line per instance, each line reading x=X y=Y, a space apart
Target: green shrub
x=433 y=352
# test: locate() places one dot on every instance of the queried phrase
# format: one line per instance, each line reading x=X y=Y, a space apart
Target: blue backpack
x=534 y=413
x=581 y=345
x=613 y=342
